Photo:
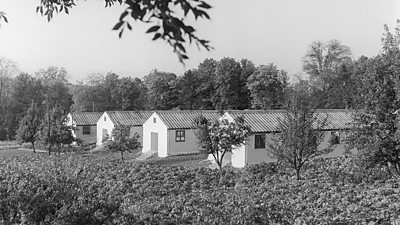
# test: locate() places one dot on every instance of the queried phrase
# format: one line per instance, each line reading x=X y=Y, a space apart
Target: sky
x=263 y=31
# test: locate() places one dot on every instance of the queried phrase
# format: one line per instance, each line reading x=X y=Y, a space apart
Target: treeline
x=330 y=73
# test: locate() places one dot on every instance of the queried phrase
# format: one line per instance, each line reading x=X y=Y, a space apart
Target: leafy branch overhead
x=166 y=16
x=3 y=17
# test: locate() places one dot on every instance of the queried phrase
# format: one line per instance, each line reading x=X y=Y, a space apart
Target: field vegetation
x=93 y=189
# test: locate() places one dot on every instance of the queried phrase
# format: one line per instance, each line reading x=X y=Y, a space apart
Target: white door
x=154 y=142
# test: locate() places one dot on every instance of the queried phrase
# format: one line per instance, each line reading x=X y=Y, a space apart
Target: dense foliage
x=73 y=189
x=376 y=130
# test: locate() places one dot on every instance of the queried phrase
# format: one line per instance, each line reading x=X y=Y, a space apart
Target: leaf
x=186 y=8
x=204 y=5
x=5 y=19
x=120 y=33
x=123 y=15
x=118 y=25
x=66 y=10
x=129 y=26
x=180 y=46
x=153 y=29
x=156 y=36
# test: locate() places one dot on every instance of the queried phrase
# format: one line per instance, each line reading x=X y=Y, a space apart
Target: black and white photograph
x=199 y=112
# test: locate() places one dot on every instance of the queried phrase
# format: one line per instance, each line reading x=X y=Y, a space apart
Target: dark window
x=335 y=138
x=180 y=136
x=154 y=120
x=259 y=141
x=105 y=118
x=86 y=130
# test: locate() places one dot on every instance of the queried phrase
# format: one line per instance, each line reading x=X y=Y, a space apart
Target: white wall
x=259 y=155
x=158 y=127
x=78 y=132
x=186 y=147
x=248 y=155
x=101 y=124
x=86 y=138
x=71 y=123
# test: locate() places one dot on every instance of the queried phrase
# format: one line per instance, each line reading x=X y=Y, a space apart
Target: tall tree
x=26 y=89
x=227 y=84
x=162 y=92
x=56 y=87
x=300 y=131
x=267 y=86
x=328 y=66
x=206 y=90
x=126 y=94
x=29 y=126
x=248 y=68
x=53 y=130
x=109 y=92
x=188 y=86
x=322 y=59
x=376 y=132
x=8 y=70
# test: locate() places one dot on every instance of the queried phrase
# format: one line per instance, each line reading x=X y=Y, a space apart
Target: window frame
x=180 y=136
x=257 y=141
x=86 y=129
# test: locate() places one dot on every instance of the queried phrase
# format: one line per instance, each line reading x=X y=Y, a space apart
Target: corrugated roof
x=86 y=118
x=265 y=121
x=129 y=118
x=183 y=119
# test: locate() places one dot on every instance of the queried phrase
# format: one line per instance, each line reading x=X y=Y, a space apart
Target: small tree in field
x=220 y=137
x=122 y=142
x=54 y=131
x=29 y=126
x=300 y=132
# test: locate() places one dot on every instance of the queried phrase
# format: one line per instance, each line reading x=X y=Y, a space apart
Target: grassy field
x=188 y=161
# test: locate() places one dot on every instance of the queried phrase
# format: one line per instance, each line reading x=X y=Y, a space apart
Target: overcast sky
x=263 y=31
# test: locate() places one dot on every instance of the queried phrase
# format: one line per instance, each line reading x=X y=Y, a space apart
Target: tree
x=327 y=65
x=267 y=87
x=220 y=137
x=301 y=132
x=188 y=86
x=122 y=142
x=56 y=88
x=206 y=90
x=162 y=93
x=376 y=133
x=53 y=129
x=8 y=70
x=227 y=84
x=167 y=15
x=29 y=126
x=322 y=59
x=248 y=68
x=25 y=90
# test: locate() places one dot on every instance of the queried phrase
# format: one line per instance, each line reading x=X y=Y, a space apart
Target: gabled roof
x=183 y=119
x=266 y=121
x=86 y=118
x=129 y=118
